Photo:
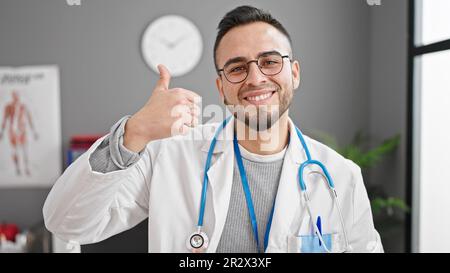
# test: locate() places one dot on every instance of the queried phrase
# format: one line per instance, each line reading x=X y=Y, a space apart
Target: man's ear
x=219 y=86
x=296 y=77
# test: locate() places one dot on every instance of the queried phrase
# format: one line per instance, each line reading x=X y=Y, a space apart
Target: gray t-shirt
x=263 y=176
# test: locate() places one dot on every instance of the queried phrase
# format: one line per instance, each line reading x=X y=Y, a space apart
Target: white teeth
x=260 y=97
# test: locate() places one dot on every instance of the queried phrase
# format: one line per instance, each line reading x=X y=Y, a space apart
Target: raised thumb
x=164 y=77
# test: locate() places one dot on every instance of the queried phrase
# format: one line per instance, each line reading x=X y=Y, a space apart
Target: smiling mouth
x=259 y=98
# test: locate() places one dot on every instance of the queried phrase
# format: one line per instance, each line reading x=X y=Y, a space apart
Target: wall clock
x=174 y=41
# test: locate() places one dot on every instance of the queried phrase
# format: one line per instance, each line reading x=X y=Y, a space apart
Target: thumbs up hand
x=168 y=112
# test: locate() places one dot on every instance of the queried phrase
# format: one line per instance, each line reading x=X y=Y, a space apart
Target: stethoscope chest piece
x=197 y=242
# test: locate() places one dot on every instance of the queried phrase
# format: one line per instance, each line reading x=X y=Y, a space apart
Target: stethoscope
x=198 y=241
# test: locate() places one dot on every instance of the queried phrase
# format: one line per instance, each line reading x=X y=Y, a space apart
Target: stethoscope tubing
x=309 y=161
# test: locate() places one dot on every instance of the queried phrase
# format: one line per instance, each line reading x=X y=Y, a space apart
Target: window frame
x=413 y=127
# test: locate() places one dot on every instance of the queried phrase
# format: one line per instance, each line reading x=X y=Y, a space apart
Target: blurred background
x=375 y=87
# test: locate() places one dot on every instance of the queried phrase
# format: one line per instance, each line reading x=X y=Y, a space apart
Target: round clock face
x=173 y=41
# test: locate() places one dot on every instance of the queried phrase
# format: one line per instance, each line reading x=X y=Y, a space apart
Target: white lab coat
x=85 y=206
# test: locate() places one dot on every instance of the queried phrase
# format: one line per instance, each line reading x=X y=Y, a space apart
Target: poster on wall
x=30 y=128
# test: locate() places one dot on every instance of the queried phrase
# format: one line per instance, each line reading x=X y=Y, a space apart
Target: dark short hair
x=245 y=15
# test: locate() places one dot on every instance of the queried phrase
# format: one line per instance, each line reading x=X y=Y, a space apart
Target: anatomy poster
x=30 y=129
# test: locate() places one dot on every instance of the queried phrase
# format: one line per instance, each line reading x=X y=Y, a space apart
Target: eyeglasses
x=270 y=64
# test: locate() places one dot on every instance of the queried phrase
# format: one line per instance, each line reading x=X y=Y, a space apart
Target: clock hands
x=172 y=45
x=164 y=41
x=177 y=41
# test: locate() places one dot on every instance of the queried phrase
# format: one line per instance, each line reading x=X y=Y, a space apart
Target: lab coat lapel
x=220 y=176
x=287 y=204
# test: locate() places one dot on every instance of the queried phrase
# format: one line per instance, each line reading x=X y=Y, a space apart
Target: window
x=429 y=124
x=433 y=21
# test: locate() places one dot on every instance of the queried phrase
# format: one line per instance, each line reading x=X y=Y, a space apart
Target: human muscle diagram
x=30 y=152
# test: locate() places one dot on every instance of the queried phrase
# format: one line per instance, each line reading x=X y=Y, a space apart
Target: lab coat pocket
x=307 y=241
x=311 y=244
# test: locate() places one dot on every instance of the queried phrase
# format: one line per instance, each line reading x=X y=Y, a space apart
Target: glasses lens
x=270 y=64
x=236 y=72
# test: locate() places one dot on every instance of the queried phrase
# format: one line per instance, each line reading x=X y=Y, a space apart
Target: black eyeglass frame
x=256 y=61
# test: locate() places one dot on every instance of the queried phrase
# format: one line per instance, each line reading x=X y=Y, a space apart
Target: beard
x=263 y=117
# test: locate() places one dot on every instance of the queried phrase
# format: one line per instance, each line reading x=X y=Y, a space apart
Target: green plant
x=388 y=204
x=365 y=158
